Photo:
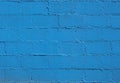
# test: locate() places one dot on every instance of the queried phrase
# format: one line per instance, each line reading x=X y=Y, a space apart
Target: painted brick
x=34 y=8
x=59 y=41
x=101 y=76
x=116 y=47
x=8 y=35
x=77 y=20
x=2 y=48
x=30 y=48
x=116 y=75
x=9 y=8
x=111 y=34
x=98 y=48
x=23 y=8
x=100 y=21
x=1 y=74
x=23 y=75
x=28 y=21
x=85 y=8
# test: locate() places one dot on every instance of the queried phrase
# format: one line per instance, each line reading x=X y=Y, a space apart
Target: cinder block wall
x=60 y=41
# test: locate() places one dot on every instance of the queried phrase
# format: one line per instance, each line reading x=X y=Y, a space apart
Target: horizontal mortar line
x=102 y=54
x=60 y=14
x=59 y=55
x=57 y=41
x=104 y=27
x=91 y=27
x=89 y=41
x=53 y=29
x=52 y=81
x=73 y=68
x=21 y=41
x=113 y=1
x=21 y=1
x=88 y=0
x=85 y=14
x=17 y=55
x=56 y=28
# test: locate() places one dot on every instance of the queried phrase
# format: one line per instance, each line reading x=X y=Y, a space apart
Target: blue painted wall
x=60 y=41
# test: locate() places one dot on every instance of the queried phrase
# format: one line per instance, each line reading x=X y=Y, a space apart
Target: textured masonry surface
x=59 y=41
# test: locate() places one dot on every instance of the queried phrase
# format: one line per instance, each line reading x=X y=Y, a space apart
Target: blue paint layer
x=61 y=41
